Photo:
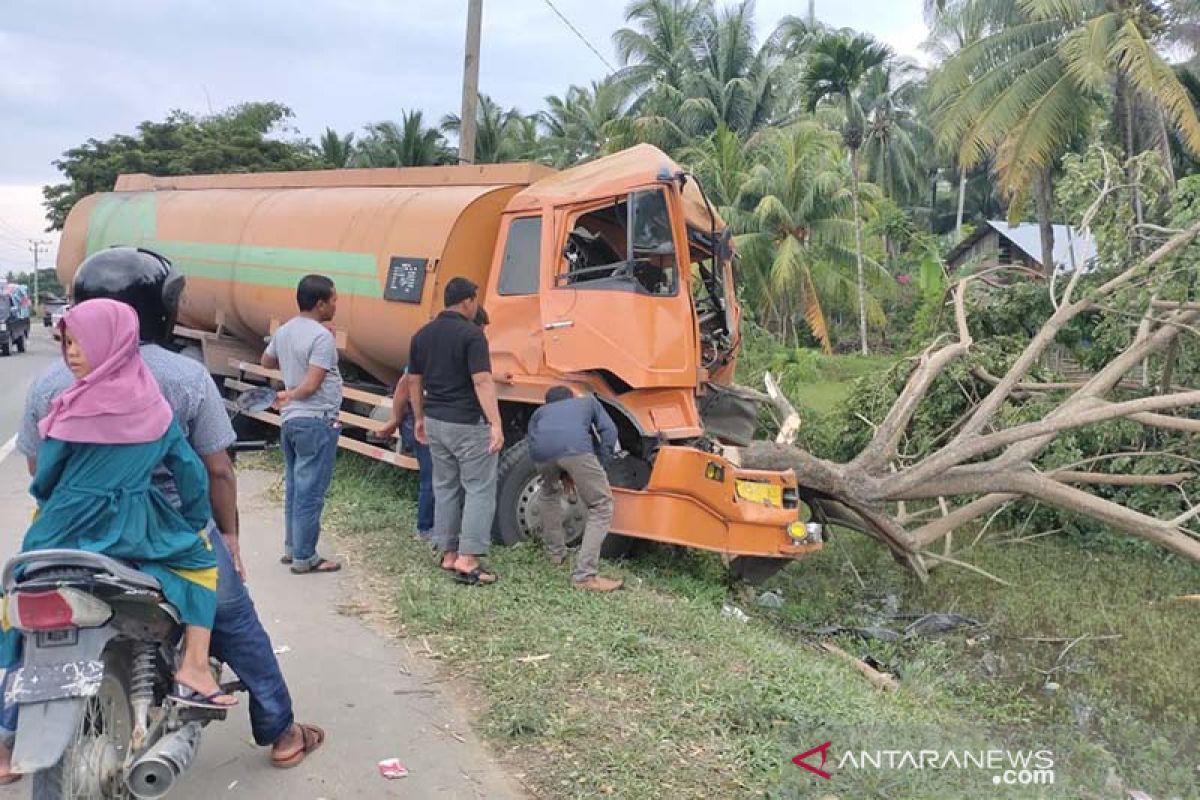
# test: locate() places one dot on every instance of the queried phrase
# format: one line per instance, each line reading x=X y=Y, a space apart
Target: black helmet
x=140 y=278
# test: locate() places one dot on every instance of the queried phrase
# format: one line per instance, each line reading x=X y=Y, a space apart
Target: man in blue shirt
x=561 y=443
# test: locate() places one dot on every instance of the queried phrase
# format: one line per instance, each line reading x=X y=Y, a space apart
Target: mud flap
x=44 y=731
x=46 y=726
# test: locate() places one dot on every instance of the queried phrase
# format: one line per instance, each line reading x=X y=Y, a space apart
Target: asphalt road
x=375 y=698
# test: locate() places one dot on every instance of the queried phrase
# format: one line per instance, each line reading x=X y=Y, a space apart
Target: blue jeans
x=309 y=448
x=238 y=639
x=425 y=477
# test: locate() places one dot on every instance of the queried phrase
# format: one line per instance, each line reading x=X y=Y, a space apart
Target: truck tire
x=517 y=488
x=75 y=774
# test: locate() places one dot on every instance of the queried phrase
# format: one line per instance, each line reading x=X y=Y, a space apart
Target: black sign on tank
x=405 y=279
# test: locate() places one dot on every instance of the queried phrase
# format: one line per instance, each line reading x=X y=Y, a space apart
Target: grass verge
x=654 y=692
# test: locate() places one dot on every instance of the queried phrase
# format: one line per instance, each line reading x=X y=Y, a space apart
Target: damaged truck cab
x=613 y=277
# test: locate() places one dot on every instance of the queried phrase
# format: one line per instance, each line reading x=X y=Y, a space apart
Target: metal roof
x=1027 y=236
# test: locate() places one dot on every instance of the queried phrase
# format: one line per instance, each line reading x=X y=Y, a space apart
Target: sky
x=78 y=69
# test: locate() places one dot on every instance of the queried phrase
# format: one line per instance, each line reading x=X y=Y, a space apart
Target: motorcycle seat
x=37 y=560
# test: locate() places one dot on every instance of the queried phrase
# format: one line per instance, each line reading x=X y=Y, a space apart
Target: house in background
x=995 y=243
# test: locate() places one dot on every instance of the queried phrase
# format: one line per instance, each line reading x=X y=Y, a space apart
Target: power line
x=582 y=38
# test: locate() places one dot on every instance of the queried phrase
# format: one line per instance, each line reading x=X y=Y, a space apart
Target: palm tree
x=835 y=69
x=794 y=230
x=722 y=162
x=1023 y=93
x=335 y=150
x=409 y=144
x=889 y=98
x=733 y=81
x=657 y=47
x=499 y=132
x=951 y=28
x=580 y=124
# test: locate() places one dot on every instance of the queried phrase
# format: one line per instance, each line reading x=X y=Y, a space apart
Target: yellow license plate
x=767 y=494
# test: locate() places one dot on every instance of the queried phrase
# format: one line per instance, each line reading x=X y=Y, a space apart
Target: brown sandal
x=311 y=738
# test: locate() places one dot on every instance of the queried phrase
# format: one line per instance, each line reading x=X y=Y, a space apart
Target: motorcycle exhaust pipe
x=153 y=775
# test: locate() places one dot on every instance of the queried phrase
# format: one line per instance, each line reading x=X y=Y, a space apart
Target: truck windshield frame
x=626 y=244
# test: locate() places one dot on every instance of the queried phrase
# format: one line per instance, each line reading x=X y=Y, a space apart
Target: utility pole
x=470 y=92
x=37 y=247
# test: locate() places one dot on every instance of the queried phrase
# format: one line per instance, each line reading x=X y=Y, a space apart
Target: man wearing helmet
x=148 y=283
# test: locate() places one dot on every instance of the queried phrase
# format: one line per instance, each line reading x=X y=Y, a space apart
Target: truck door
x=618 y=300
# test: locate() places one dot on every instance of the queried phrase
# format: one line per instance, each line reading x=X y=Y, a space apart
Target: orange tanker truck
x=613 y=277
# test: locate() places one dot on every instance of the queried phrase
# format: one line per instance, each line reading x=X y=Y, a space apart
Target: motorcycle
x=100 y=650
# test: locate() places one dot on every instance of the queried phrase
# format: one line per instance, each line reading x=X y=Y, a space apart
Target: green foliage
x=244 y=138
x=407 y=144
x=623 y=682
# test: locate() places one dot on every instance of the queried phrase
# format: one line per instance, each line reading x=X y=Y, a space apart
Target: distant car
x=14 y=318
x=56 y=315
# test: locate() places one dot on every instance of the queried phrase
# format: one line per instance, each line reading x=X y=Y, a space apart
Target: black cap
x=457 y=290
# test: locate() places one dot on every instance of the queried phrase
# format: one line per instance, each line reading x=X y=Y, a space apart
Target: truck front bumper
x=698 y=499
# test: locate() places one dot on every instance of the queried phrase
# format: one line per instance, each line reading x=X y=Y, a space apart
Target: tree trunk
x=1045 y=202
x=962 y=199
x=858 y=253
x=1126 y=98
x=933 y=187
x=1164 y=144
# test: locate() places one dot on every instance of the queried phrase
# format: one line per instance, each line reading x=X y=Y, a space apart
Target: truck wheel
x=91 y=765
x=518 y=487
x=20 y=343
x=756 y=569
x=4 y=349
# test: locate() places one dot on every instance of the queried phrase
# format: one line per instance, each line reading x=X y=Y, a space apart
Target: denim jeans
x=425 y=477
x=309 y=448
x=238 y=640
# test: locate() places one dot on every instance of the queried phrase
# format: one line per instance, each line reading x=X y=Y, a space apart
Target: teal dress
x=100 y=498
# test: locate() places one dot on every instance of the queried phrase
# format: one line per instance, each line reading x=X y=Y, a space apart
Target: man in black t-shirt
x=455 y=411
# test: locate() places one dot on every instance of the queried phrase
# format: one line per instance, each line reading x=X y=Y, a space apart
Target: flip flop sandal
x=475 y=577
x=285 y=559
x=311 y=738
x=187 y=696
x=11 y=778
x=320 y=566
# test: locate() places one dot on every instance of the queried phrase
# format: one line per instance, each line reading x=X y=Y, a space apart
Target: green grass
x=652 y=692
x=816 y=381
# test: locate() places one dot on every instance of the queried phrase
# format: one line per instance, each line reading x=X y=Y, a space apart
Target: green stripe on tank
x=130 y=218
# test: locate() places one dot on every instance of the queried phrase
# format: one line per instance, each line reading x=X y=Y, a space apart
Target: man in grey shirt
x=239 y=640
x=303 y=349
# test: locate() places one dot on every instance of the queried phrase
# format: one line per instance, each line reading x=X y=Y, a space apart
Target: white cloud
x=21 y=219
x=94 y=68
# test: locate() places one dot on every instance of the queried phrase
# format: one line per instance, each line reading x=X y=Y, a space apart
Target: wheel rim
x=92 y=764
x=529 y=512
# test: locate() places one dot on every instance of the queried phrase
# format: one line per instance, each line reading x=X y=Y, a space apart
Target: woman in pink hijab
x=103 y=439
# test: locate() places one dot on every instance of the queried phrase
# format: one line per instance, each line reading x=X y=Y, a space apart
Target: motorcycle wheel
x=91 y=766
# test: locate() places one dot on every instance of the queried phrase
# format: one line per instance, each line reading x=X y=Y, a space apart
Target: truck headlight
x=806 y=532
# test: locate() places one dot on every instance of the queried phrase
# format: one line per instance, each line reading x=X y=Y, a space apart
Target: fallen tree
x=986 y=461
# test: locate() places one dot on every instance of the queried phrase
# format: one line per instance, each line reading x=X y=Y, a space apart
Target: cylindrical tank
x=245 y=241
